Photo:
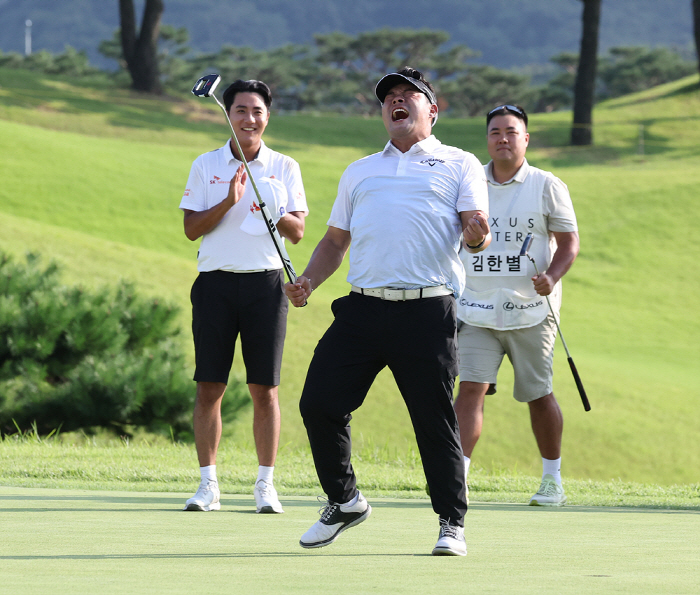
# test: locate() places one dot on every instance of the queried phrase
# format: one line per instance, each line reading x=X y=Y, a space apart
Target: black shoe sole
x=331 y=539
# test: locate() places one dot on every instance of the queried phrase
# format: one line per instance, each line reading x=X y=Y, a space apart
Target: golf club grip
x=579 y=385
x=277 y=240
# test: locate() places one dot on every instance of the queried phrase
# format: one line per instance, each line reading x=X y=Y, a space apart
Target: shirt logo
x=468 y=304
x=432 y=161
x=254 y=208
x=218 y=180
x=510 y=306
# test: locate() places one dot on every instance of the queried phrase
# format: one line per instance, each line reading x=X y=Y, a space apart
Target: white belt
x=254 y=271
x=400 y=295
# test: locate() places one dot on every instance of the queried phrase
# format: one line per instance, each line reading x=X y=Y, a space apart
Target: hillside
x=92 y=177
x=536 y=29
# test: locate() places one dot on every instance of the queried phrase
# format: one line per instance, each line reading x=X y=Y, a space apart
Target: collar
x=263 y=156
x=519 y=176
x=427 y=145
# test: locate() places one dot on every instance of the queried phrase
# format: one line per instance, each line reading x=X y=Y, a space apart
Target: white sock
x=467 y=462
x=552 y=467
x=265 y=473
x=353 y=501
x=208 y=473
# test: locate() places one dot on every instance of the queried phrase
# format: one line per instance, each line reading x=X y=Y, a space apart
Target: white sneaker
x=335 y=518
x=266 y=500
x=450 y=541
x=206 y=498
x=549 y=494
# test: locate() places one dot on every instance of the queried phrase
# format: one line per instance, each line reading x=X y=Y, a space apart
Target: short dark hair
x=505 y=110
x=251 y=86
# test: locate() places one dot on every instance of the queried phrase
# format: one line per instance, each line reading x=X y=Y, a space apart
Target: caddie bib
x=500 y=292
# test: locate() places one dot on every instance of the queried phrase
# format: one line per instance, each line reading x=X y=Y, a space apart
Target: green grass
x=62 y=541
x=75 y=461
x=92 y=177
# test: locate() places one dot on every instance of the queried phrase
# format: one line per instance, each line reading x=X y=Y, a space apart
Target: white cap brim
x=274 y=194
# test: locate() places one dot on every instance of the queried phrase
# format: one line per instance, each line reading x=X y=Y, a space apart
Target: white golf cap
x=274 y=195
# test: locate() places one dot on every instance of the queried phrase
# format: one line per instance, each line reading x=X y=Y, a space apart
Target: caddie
x=503 y=309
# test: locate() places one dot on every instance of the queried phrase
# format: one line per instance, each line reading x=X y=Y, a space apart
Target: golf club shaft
x=271 y=227
x=574 y=371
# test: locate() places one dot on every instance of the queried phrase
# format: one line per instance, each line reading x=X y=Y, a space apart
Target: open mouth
x=399 y=114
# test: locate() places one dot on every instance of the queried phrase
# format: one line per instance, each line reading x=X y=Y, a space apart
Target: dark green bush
x=631 y=69
x=79 y=359
x=71 y=62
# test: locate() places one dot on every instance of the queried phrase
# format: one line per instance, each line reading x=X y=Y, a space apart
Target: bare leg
x=469 y=408
x=266 y=422
x=547 y=425
x=207 y=421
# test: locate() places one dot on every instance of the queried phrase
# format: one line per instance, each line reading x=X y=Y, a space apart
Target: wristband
x=479 y=245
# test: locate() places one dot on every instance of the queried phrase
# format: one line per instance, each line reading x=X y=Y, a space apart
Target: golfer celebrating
x=239 y=287
x=503 y=310
x=404 y=210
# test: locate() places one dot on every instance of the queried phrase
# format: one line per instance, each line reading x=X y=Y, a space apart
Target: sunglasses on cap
x=507 y=106
x=393 y=79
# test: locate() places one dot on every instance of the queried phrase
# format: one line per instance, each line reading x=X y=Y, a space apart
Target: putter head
x=205 y=86
x=526 y=245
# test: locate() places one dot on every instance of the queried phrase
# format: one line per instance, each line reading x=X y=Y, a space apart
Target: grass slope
x=149 y=464
x=93 y=176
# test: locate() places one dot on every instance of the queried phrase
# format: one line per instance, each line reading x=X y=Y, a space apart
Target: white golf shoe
x=206 y=498
x=266 y=500
x=451 y=540
x=335 y=518
x=549 y=494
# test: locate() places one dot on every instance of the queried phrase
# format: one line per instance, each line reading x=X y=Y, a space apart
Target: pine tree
x=79 y=359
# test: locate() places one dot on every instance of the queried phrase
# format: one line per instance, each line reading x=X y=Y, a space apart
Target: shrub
x=79 y=359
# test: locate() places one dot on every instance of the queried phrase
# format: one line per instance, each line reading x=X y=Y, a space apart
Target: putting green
x=67 y=541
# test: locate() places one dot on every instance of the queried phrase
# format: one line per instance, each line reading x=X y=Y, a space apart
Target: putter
x=574 y=371
x=205 y=87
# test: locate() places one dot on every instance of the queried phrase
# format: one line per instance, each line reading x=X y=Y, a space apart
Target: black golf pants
x=416 y=339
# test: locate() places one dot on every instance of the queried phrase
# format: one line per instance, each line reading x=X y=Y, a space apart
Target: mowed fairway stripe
x=68 y=541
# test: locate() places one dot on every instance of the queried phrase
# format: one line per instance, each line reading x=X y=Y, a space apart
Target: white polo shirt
x=226 y=247
x=402 y=212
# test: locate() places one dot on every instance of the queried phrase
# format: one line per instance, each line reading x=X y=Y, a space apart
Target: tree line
x=317 y=78
x=338 y=71
x=353 y=60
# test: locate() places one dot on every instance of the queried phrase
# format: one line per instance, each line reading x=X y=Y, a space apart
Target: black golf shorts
x=226 y=304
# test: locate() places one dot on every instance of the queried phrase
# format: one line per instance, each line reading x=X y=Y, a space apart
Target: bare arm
x=324 y=262
x=564 y=256
x=291 y=226
x=198 y=223
x=475 y=229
